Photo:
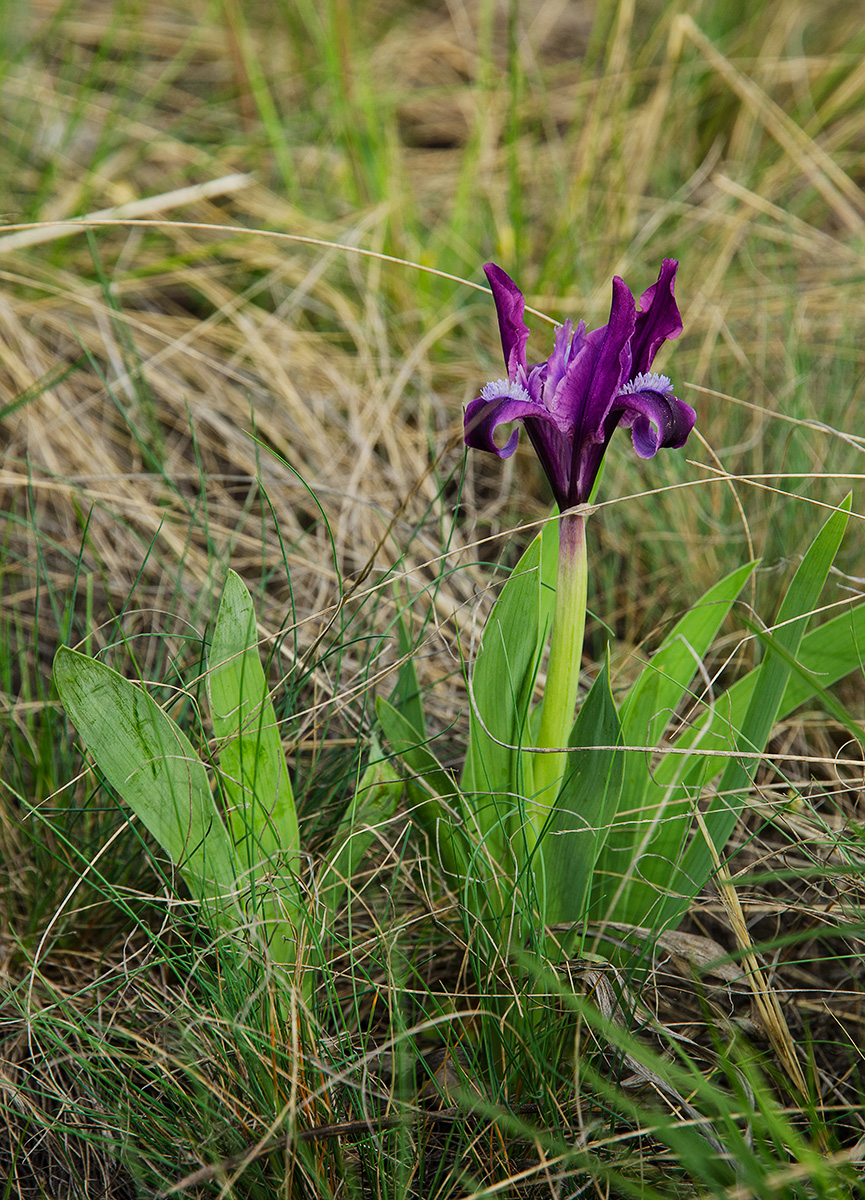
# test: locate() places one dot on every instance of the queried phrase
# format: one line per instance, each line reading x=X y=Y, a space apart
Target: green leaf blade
x=262 y=815
x=150 y=762
x=497 y=774
x=653 y=824
x=767 y=697
x=585 y=807
x=434 y=796
x=502 y=679
x=372 y=805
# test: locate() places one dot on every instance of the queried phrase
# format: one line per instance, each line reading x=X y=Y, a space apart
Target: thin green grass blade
x=244 y=51
x=50 y=379
x=762 y=713
x=374 y=803
x=261 y=813
x=150 y=762
x=578 y=827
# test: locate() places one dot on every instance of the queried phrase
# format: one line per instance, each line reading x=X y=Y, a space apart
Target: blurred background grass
x=566 y=139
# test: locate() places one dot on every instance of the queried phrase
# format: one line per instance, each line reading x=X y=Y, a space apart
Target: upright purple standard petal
x=510 y=306
x=572 y=404
x=608 y=355
x=658 y=318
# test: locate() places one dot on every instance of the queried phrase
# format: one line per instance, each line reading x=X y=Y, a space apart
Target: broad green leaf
x=829 y=702
x=585 y=807
x=827 y=653
x=258 y=791
x=773 y=677
x=406 y=697
x=502 y=680
x=374 y=802
x=434 y=797
x=496 y=775
x=645 y=714
x=150 y=762
x=648 y=707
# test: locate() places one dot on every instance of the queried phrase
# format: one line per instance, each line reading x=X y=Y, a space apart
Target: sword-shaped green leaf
x=373 y=804
x=579 y=825
x=497 y=776
x=653 y=821
x=259 y=799
x=773 y=678
x=255 y=778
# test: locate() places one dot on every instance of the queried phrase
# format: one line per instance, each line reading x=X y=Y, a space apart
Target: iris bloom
x=570 y=406
x=591 y=384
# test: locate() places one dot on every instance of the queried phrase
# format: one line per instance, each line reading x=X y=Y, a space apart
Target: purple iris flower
x=572 y=404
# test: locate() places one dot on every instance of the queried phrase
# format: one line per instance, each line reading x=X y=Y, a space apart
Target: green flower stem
x=563 y=673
